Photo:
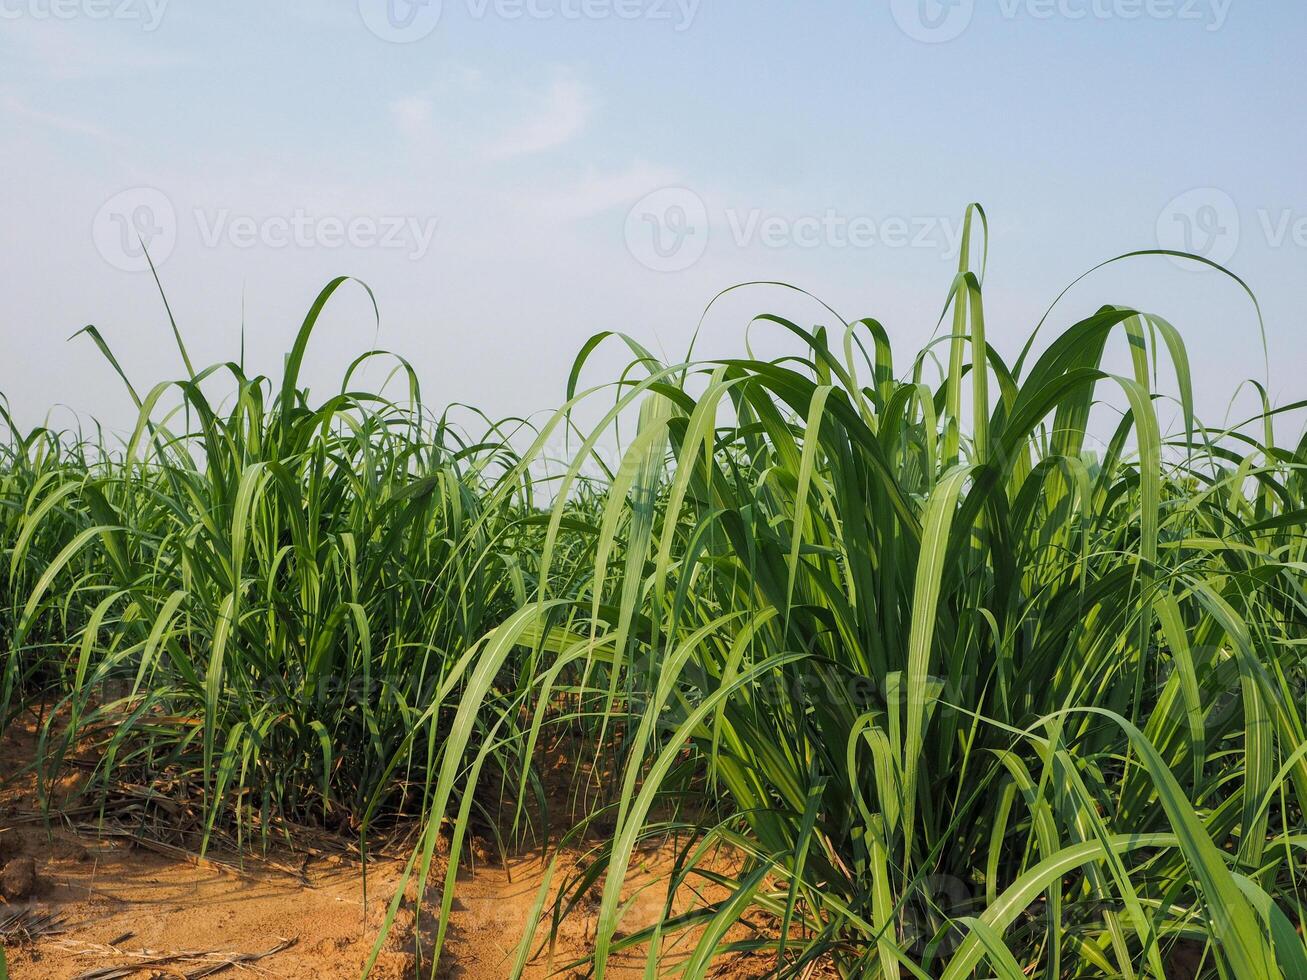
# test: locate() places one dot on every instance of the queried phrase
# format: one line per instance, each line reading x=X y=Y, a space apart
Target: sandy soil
x=156 y=913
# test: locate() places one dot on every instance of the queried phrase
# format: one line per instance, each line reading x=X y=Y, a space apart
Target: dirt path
x=148 y=905
x=121 y=905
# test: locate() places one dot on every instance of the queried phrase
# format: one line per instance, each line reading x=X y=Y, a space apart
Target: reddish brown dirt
x=153 y=905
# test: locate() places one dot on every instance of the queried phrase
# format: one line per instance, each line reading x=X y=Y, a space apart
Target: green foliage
x=263 y=600
x=968 y=696
x=971 y=696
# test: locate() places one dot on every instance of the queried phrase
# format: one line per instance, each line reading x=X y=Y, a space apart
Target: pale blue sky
x=487 y=178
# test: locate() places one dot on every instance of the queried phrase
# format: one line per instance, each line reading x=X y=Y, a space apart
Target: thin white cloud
x=412 y=116
x=597 y=192
x=560 y=115
x=13 y=105
x=72 y=52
